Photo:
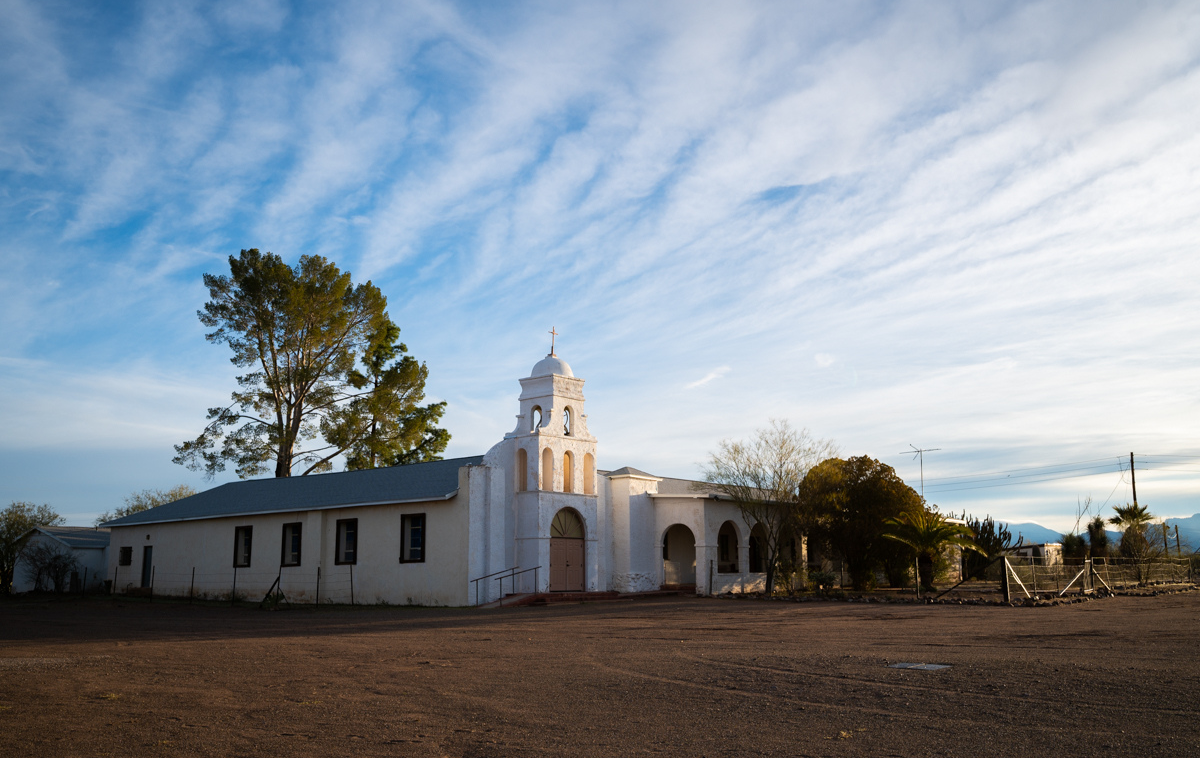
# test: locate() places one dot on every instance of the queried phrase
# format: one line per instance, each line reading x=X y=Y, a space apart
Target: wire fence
x=241 y=584
x=1041 y=575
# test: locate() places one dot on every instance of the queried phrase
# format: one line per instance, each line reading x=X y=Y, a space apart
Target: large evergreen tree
x=326 y=374
x=850 y=503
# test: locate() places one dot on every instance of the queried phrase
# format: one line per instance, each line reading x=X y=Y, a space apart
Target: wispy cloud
x=713 y=375
x=970 y=227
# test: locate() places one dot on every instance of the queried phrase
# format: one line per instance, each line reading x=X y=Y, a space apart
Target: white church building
x=532 y=515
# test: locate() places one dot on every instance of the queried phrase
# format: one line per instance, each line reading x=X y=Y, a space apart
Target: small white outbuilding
x=88 y=546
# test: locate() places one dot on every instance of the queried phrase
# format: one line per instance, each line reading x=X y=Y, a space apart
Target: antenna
x=920 y=453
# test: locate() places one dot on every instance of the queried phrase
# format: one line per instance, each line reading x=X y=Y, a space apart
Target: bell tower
x=553 y=484
x=552 y=438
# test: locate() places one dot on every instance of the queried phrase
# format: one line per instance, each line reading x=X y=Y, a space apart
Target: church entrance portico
x=566 y=552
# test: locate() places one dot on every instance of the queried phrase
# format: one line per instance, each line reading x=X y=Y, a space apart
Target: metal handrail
x=514 y=576
x=489 y=576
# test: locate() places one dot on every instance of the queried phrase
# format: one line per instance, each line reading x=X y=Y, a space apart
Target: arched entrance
x=566 y=552
x=679 y=557
x=758 y=550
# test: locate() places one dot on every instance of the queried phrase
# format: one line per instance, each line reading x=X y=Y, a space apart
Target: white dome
x=551 y=364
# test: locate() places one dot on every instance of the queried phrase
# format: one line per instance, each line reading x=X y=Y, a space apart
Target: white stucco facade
x=531 y=503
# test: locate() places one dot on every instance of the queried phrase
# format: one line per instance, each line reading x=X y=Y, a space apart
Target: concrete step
x=551 y=598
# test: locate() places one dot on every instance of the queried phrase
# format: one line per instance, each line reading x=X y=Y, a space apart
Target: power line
x=1014 y=484
x=1055 y=472
x=979 y=478
x=1115 y=458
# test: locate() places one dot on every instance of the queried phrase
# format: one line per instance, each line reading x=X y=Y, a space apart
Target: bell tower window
x=535 y=416
x=589 y=474
x=568 y=472
x=547 y=469
x=522 y=473
x=567 y=421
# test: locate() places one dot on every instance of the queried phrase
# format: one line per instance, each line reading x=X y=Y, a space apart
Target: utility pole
x=919 y=453
x=1133 y=479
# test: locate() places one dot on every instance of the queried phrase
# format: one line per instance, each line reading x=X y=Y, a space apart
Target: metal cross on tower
x=553 y=334
x=920 y=453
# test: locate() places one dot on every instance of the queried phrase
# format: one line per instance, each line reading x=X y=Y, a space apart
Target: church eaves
x=435 y=480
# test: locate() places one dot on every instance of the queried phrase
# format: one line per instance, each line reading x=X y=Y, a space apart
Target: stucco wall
x=206 y=547
x=92 y=565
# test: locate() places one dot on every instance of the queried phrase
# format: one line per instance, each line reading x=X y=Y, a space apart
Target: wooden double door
x=566 y=564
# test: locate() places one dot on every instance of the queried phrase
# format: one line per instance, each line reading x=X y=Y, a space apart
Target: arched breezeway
x=679 y=556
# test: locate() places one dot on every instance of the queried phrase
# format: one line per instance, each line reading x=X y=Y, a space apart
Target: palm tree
x=928 y=533
x=1132 y=520
x=1135 y=517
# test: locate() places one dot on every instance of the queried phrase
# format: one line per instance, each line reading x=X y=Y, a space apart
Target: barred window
x=242 y=537
x=347 y=541
x=412 y=545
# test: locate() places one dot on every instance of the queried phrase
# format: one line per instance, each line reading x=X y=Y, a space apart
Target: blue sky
x=966 y=226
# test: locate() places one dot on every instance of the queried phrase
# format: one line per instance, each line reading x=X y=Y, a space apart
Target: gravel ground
x=670 y=676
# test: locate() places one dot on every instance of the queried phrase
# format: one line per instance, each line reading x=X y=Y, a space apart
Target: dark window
x=291 y=545
x=242 y=536
x=147 y=566
x=126 y=556
x=756 y=556
x=347 y=541
x=412 y=540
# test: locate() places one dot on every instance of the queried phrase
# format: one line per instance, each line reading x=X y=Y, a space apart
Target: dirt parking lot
x=670 y=676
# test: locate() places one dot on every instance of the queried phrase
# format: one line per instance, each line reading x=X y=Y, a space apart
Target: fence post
x=192 y=586
x=318 y=586
x=351 y=584
x=152 y=567
x=917 y=575
x=233 y=592
x=116 y=570
x=1004 y=582
x=83 y=587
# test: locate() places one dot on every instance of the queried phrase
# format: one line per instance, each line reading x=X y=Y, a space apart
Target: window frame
x=283 y=548
x=238 y=531
x=406 y=521
x=125 y=556
x=339 y=546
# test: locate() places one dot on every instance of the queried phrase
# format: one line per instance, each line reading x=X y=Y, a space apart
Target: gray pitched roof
x=686 y=488
x=77 y=536
x=435 y=480
x=629 y=471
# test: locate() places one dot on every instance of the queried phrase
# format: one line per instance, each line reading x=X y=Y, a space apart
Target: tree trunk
x=925 y=567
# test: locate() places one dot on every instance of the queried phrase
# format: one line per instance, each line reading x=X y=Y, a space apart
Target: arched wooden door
x=566 y=552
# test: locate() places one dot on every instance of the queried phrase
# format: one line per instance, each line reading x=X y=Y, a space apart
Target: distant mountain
x=1189 y=530
x=1036 y=533
x=1033 y=533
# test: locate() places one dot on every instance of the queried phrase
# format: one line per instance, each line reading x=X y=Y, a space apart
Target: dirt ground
x=669 y=676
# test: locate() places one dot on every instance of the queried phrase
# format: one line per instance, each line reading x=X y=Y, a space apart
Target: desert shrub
x=48 y=566
x=819 y=581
